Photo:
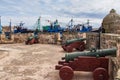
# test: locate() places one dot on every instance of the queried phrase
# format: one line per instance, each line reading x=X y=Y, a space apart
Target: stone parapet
x=44 y=38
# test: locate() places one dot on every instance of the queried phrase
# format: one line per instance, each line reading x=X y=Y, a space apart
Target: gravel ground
x=33 y=62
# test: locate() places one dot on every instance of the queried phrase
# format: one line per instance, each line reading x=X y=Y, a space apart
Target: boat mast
x=39 y=23
x=0 y=26
x=10 y=27
x=88 y=22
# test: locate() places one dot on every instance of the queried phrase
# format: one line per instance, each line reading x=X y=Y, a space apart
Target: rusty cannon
x=77 y=44
x=32 y=40
x=90 y=61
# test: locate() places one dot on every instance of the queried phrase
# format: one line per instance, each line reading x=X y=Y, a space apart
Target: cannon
x=78 y=44
x=92 y=53
x=91 y=61
x=32 y=40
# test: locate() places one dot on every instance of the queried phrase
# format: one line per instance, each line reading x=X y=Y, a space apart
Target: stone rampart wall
x=44 y=38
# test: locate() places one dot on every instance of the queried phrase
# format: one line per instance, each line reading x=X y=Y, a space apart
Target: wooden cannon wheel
x=100 y=74
x=26 y=42
x=66 y=73
x=30 y=41
x=64 y=47
x=69 y=49
x=81 y=47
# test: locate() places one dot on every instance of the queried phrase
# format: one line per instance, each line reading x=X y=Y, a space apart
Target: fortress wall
x=44 y=38
x=68 y=36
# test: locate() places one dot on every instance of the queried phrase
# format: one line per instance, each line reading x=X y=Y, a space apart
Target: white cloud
x=29 y=10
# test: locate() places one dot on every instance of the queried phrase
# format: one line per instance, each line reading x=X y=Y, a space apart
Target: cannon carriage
x=77 y=44
x=95 y=62
x=32 y=40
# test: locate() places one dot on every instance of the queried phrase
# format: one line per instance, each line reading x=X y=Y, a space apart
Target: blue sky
x=28 y=11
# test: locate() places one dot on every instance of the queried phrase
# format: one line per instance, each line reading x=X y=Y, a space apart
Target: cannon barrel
x=74 y=40
x=31 y=37
x=92 y=53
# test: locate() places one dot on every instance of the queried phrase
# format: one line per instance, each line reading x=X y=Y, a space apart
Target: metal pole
x=100 y=31
x=10 y=30
x=38 y=26
x=10 y=27
x=0 y=26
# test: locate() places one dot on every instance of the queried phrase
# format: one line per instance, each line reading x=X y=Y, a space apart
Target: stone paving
x=33 y=62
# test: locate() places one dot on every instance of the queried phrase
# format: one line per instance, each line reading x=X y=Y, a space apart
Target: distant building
x=111 y=37
x=111 y=22
x=6 y=29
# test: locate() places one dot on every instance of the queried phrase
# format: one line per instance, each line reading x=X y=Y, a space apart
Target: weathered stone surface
x=111 y=22
x=118 y=75
x=33 y=62
x=44 y=38
x=68 y=36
